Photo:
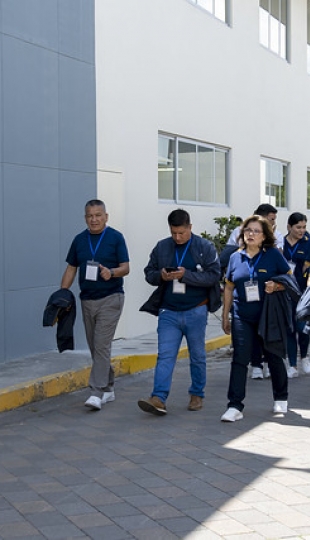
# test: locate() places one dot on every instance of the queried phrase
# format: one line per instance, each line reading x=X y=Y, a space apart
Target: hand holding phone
x=171 y=269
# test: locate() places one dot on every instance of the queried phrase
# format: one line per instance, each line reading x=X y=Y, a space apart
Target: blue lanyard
x=94 y=251
x=179 y=261
x=252 y=267
x=292 y=251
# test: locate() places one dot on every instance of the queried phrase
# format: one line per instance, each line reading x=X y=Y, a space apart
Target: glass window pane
x=283 y=12
x=274 y=182
x=205 y=174
x=206 y=4
x=275 y=9
x=186 y=171
x=219 y=11
x=220 y=176
x=166 y=167
x=264 y=27
x=274 y=35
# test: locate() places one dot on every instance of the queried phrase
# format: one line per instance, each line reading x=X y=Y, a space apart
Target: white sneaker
x=107 y=396
x=257 y=373
x=231 y=415
x=305 y=365
x=280 y=407
x=266 y=371
x=292 y=372
x=93 y=402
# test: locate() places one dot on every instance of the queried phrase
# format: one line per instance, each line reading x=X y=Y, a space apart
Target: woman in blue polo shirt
x=297 y=252
x=248 y=278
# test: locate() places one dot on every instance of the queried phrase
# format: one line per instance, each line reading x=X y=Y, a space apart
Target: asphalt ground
x=117 y=474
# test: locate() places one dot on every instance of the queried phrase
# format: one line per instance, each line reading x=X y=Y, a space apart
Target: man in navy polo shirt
x=100 y=254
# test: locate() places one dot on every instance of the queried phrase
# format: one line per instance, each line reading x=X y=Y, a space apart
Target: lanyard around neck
x=180 y=260
x=94 y=250
x=252 y=266
x=292 y=251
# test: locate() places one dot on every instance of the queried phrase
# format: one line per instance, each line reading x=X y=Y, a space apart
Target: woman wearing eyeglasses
x=248 y=279
x=297 y=252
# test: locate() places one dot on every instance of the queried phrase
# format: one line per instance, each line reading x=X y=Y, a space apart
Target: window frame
x=268 y=40
x=267 y=197
x=212 y=12
x=176 y=140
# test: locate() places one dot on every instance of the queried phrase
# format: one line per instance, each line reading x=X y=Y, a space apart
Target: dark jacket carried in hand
x=61 y=309
x=206 y=259
x=276 y=317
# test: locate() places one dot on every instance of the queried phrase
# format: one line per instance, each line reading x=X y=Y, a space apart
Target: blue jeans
x=172 y=326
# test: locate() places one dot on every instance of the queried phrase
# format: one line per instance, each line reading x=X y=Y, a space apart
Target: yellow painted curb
x=70 y=381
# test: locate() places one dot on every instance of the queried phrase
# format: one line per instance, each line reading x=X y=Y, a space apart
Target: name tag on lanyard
x=251 y=291
x=178 y=288
x=92 y=270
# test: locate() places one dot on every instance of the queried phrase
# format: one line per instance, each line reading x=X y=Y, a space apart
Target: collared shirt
x=270 y=263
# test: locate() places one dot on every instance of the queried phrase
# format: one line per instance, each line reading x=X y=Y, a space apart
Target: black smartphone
x=171 y=269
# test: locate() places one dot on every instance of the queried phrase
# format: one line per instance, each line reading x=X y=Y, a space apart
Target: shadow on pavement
x=66 y=472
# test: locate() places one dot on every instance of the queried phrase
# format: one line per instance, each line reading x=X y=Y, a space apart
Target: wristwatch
x=112 y=272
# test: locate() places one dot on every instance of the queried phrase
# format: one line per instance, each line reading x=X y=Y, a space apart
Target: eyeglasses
x=252 y=231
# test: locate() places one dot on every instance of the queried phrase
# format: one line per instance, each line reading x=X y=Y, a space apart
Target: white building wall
x=167 y=65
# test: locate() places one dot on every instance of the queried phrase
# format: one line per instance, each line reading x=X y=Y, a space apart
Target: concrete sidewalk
x=68 y=473
x=45 y=375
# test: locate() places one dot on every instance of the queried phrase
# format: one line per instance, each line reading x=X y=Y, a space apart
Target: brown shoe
x=153 y=405
x=195 y=403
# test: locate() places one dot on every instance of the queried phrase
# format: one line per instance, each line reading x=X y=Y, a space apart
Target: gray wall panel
x=73 y=222
x=76 y=23
x=2 y=338
x=2 y=331
x=32 y=237
x=24 y=316
x=31 y=20
x=77 y=119
x=30 y=95
x=47 y=159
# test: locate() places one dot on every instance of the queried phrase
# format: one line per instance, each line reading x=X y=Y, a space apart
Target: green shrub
x=225 y=226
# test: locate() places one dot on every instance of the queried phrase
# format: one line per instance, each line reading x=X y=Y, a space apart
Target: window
x=274 y=182
x=308 y=189
x=308 y=36
x=191 y=171
x=216 y=7
x=273 y=25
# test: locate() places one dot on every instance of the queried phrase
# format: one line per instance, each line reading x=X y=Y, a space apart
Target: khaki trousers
x=100 y=320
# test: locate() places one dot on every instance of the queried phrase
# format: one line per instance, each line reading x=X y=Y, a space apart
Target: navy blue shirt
x=193 y=295
x=267 y=263
x=298 y=254
x=111 y=252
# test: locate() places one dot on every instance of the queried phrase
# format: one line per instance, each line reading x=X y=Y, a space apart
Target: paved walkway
x=50 y=374
x=121 y=474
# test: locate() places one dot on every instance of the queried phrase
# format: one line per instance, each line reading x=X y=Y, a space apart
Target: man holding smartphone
x=185 y=267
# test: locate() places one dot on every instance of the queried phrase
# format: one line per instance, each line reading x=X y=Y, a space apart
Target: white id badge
x=292 y=265
x=251 y=291
x=92 y=271
x=178 y=288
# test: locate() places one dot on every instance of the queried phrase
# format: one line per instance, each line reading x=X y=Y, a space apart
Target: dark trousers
x=245 y=335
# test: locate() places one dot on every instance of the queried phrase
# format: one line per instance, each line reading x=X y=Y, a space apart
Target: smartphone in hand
x=171 y=269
